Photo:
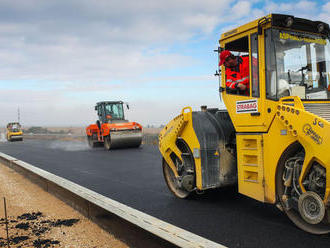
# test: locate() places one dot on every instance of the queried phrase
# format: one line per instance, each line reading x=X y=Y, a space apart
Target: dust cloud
x=70 y=146
x=3 y=137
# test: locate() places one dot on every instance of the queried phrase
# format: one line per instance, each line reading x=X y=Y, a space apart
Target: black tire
x=293 y=214
x=172 y=182
x=107 y=142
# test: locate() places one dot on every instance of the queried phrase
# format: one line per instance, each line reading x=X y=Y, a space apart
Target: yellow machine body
x=14 y=132
x=181 y=126
x=267 y=130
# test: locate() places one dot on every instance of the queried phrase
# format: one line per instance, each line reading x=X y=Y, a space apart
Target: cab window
x=237 y=73
x=297 y=64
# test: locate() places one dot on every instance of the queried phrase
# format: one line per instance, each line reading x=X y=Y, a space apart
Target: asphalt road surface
x=134 y=177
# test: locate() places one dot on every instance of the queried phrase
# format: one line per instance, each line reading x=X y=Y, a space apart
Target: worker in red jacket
x=237 y=71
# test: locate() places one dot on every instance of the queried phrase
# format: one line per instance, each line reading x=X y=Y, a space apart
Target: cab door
x=246 y=111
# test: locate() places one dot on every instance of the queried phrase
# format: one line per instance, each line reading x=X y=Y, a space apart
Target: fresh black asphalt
x=134 y=177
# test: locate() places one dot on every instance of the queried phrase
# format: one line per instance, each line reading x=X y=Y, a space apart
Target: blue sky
x=58 y=58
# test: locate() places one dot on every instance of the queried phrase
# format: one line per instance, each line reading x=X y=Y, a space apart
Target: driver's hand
x=241 y=86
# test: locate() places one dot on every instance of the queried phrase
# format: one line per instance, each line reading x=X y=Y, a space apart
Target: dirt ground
x=38 y=219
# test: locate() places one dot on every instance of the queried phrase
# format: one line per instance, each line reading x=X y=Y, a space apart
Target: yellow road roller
x=273 y=139
x=14 y=132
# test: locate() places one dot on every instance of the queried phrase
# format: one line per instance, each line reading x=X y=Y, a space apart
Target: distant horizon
x=28 y=126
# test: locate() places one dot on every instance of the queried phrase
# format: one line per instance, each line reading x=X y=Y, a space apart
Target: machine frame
x=14 y=135
x=267 y=134
x=111 y=129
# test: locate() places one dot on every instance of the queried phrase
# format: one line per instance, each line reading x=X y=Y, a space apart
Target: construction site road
x=134 y=177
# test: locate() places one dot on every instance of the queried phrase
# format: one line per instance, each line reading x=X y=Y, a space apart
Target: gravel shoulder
x=38 y=219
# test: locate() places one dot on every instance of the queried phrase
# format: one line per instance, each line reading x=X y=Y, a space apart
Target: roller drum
x=16 y=137
x=127 y=138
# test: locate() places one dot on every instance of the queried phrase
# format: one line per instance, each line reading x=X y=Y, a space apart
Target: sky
x=58 y=58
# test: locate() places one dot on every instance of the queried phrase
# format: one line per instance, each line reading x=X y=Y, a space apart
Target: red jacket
x=239 y=74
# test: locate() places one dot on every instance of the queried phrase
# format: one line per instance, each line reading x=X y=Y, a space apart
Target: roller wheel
x=293 y=214
x=173 y=183
x=107 y=142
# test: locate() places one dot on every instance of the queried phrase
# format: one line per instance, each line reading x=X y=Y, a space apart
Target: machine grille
x=210 y=162
x=208 y=139
x=320 y=109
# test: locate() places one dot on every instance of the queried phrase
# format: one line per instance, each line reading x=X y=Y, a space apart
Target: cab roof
x=109 y=102
x=279 y=20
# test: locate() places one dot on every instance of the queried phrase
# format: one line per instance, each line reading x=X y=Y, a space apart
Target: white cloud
x=326 y=7
x=325 y=13
x=241 y=9
x=111 y=40
x=305 y=9
x=306 y=6
x=89 y=51
x=101 y=40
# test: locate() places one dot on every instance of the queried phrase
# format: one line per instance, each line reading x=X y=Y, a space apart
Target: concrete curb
x=134 y=227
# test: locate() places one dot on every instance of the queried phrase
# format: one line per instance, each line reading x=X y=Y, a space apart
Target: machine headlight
x=320 y=27
x=288 y=22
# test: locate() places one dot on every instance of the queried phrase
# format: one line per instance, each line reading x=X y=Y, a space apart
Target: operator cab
x=288 y=56
x=110 y=111
x=14 y=127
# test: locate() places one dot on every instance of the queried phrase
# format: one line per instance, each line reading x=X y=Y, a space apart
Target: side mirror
x=95 y=107
x=127 y=106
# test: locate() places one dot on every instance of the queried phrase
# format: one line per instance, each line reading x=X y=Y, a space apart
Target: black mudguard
x=216 y=135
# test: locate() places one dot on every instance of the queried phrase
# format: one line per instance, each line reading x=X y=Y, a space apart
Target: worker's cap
x=223 y=55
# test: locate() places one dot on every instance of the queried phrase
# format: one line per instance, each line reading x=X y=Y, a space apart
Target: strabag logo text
x=250 y=106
